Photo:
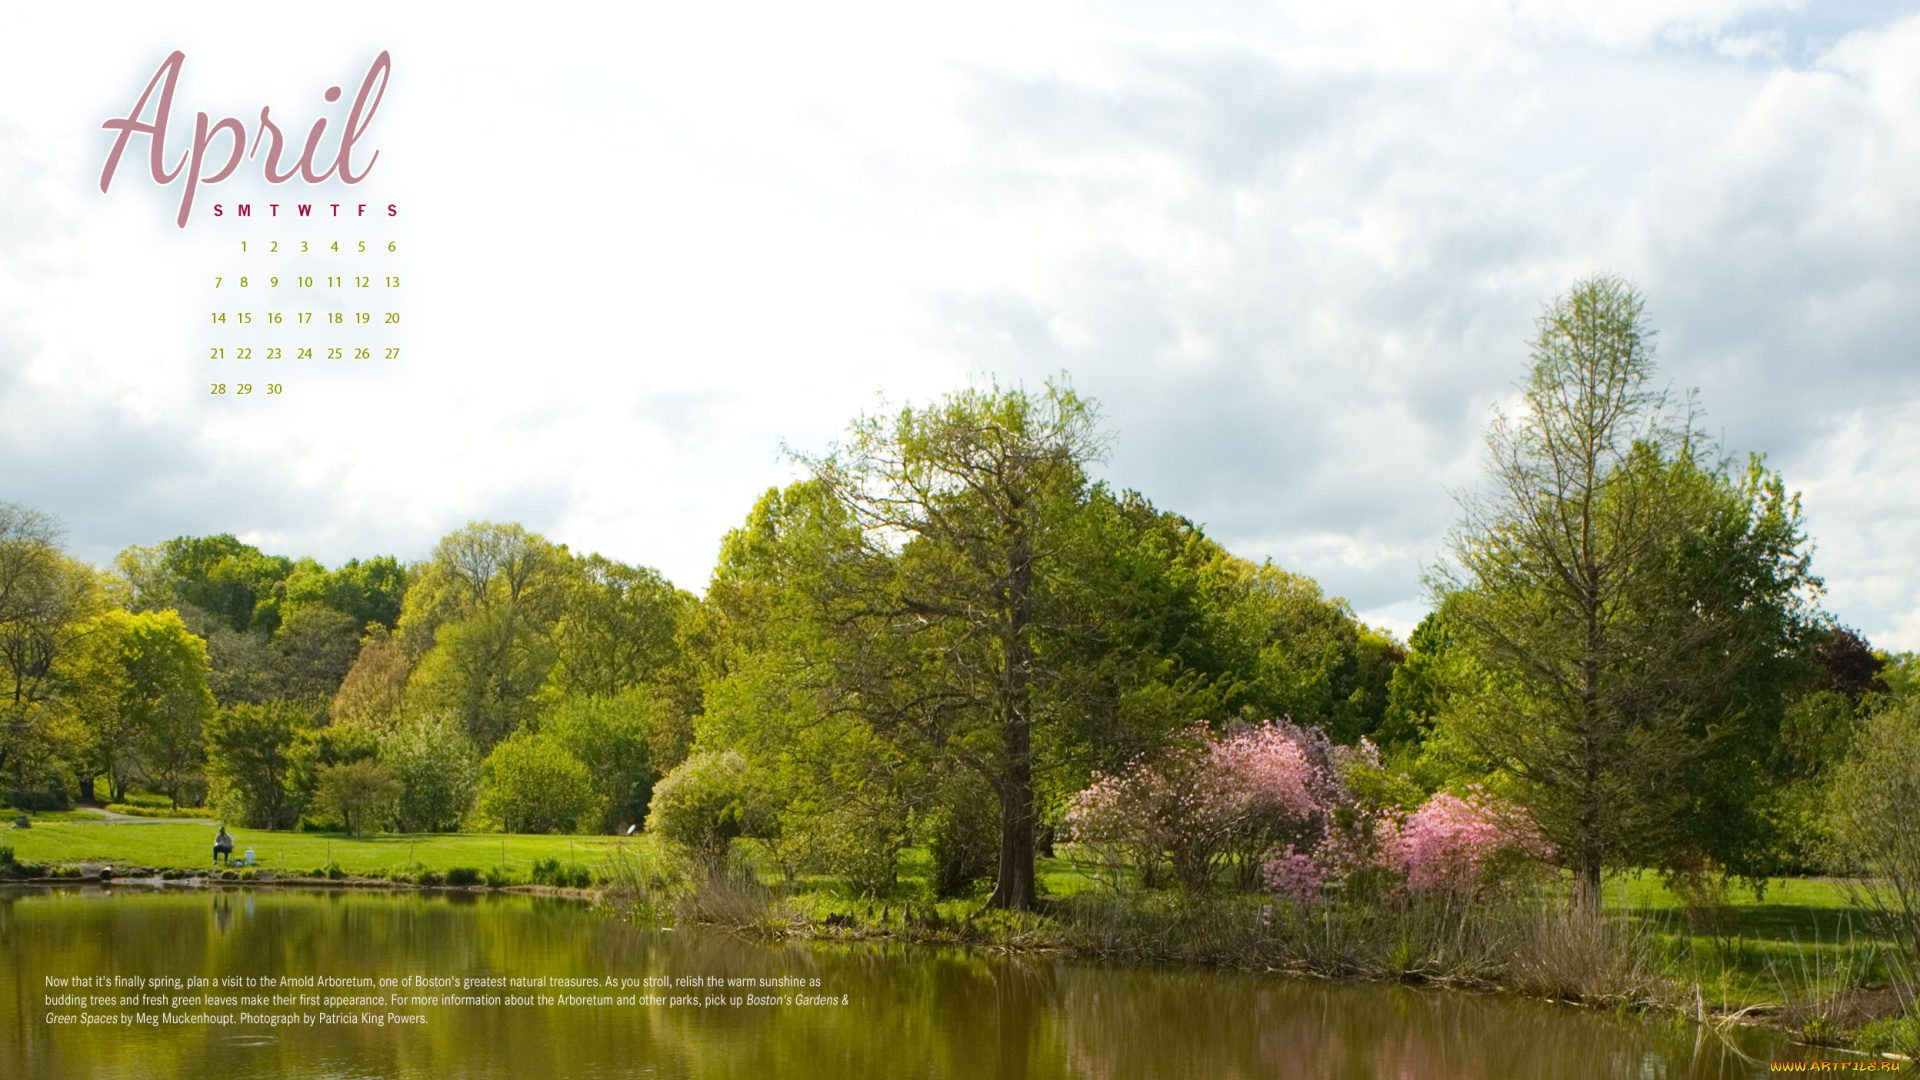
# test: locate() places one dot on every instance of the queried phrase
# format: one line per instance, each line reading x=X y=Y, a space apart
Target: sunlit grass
x=168 y=845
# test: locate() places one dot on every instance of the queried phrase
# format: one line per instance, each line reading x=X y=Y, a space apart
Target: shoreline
x=153 y=882
x=856 y=931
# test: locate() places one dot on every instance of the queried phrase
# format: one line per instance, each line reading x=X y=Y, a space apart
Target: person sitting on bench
x=223 y=847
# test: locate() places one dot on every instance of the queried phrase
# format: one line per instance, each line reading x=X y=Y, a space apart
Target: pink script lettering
x=193 y=161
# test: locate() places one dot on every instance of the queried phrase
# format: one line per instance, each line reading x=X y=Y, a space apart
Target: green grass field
x=1750 y=951
x=168 y=845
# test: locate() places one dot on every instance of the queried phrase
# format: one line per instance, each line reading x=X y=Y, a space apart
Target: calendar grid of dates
x=283 y=301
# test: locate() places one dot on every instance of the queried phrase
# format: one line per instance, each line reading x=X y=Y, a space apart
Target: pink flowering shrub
x=1205 y=800
x=1295 y=876
x=1115 y=818
x=1271 y=802
x=1279 y=786
x=1450 y=844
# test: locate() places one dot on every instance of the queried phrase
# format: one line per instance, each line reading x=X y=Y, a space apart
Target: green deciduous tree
x=530 y=784
x=618 y=628
x=139 y=683
x=46 y=600
x=254 y=764
x=374 y=688
x=437 y=768
x=366 y=592
x=314 y=648
x=960 y=508
x=211 y=580
x=480 y=620
x=612 y=737
x=1635 y=609
x=364 y=793
x=1873 y=824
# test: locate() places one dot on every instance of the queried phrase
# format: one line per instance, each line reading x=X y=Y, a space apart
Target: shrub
x=530 y=785
x=364 y=793
x=1454 y=845
x=463 y=876
x=1203 y=801
x=561 y=875
x=498 y=877
x=52 y=790
x=1274 y=785
x=437 y=768
x=701 y=806
x=963 y=836
x=1874 y=828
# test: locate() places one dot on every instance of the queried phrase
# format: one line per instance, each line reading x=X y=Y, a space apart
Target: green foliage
x=363 y=792
x=611 y=736
x=321 y=746
x=364 y=592
x=313 y=650
x=1294 y=652
x=462 y=877
x=859 y=637
x=46 y=603
x=619 y=629
x=962 y=835
x=213 y=580
x=372 y=691
x=1901 y=673
x=561 y=875
x=47 y=786
x=1873 y=823
x=1637 y=610
x=530 y=784
x=480 y=620
x=703 y=805
x=485 y=669
x=437 y=768
x=139 y=684
x=252 y=762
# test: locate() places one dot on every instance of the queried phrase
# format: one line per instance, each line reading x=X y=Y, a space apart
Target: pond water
x=800 y=1011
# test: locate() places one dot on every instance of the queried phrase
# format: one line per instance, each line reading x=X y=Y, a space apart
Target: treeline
x=949 y=634
x=501 y=683
x=506 y=683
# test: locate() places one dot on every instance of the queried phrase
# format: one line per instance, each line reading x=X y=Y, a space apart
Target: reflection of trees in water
x=1194 y=1024
x=910 y=1012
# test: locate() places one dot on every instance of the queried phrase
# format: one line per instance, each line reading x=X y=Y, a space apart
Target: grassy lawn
x=166 y=845
x=1801 y=938
x=1798 y=939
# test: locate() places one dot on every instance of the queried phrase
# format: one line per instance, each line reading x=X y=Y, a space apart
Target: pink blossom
x=1446 y=844
x=1294 y=875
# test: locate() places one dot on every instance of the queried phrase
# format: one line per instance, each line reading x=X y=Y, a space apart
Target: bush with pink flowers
x=1206 y=801
x=1456 y=845
x=1271 y=802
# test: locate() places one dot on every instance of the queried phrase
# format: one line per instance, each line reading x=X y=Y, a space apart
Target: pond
x=129 y=982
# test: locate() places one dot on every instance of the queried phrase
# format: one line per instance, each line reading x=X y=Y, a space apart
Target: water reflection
x=906 y=1012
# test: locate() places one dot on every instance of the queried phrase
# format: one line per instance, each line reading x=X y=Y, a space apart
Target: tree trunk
x=1592 y=842
x=1014 y=889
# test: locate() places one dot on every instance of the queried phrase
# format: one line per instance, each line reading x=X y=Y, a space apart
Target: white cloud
x=1294 y=249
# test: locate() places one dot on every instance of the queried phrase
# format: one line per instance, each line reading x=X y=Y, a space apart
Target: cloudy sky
x=1294 y=249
